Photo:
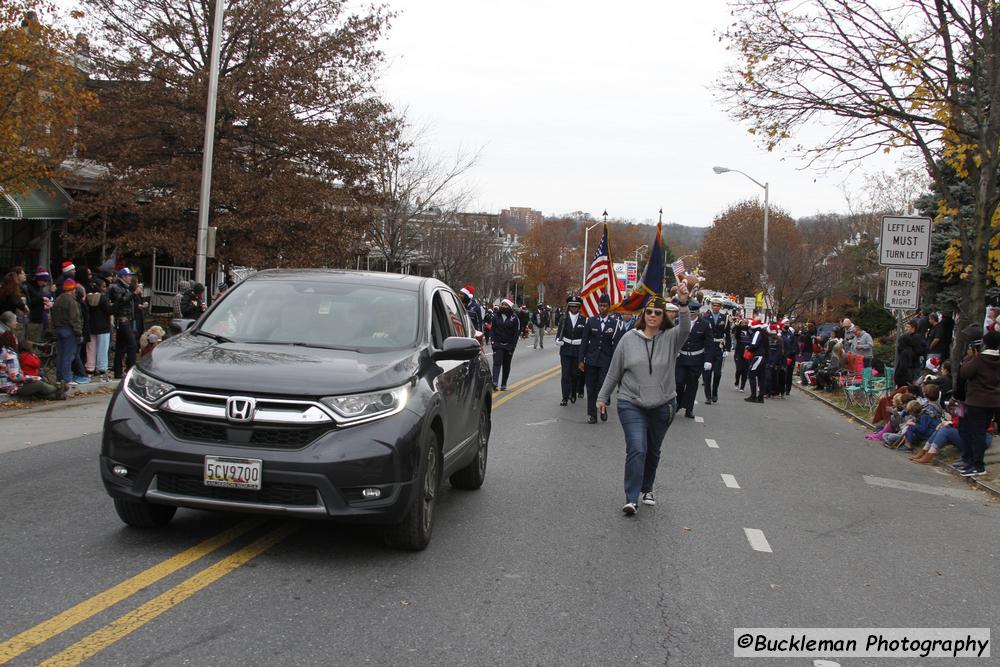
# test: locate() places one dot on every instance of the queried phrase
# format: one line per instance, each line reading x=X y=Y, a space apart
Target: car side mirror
x=180 y=325
x=457 y=348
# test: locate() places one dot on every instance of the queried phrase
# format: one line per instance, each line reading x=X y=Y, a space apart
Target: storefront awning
x=47 y=201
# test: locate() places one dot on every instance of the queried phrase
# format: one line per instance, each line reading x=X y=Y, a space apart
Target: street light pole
x=586 y=234
x=765 y=185
x=204 y=202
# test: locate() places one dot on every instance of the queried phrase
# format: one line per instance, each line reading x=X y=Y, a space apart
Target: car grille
x=278 y=437
x=269 y=493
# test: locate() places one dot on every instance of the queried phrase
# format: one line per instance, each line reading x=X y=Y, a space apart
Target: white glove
x=560 y=342
x=708 y=365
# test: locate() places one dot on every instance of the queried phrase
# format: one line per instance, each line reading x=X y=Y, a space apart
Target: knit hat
x=67 y=267
x=468 y=291
x=69 y=285
x=933 y=363
x=42 y=274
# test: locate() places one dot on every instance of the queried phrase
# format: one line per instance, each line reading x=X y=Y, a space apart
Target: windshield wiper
x=216 y=337
x=327 y=347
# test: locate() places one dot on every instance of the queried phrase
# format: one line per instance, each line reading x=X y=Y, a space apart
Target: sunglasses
x=654 y=311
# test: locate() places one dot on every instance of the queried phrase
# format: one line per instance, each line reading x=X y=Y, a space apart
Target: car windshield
x=320 y=314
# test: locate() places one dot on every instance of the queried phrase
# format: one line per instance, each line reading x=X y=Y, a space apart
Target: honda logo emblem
x=240 y=408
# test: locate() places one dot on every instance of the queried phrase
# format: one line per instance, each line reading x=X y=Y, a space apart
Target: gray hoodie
x=645 y=366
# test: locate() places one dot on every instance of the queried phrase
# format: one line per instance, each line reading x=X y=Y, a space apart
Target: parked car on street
x=306 y=393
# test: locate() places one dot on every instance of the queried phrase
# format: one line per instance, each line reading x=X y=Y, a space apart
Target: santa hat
x=774 y=328
x=507 y=302
x=756 y=324
x=785 y=321
x=67 y=267
x=933 y=363
x=468 y=291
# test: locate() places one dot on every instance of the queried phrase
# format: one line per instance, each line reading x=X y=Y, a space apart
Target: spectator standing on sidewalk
x=100 y=329
x=907 y=355
x=979 y=388
x=39 y=293
x=68 y=326
x=643 y=368
x=193 y=303
x=122 y=302
x=935 y=338
x=11 y=298
x=182 y=288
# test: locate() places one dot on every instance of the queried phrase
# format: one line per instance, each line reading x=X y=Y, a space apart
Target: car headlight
x=365 y=407
x=144 y=388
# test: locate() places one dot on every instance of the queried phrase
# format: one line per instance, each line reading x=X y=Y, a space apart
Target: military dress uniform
x=721 y=344
x=691 y=361
x=596 y=350
x=569 y=337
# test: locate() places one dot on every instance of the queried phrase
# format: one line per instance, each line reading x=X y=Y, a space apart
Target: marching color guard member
x=691 y=362
x=568 y=340
x=716 y=351
x=595 y=353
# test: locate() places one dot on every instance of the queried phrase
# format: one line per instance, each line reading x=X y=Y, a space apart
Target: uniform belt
x=572 y=340
x=720 y=340
x=691 y=354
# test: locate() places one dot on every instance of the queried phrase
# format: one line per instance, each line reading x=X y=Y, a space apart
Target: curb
x=983 y=486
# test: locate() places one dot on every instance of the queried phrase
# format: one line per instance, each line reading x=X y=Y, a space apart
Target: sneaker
x=959 y=464
x=630 y=509
x=72 y=383
x=104 y=377
x=973 y=472
x=648 y=498
x=82 y=379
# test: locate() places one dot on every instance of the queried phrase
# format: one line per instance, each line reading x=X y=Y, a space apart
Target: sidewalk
x=8 y=402
x=989 y=482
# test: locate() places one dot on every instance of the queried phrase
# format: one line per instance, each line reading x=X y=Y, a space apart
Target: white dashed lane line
x=711 y=443
x=757 y=540
x=730 y=481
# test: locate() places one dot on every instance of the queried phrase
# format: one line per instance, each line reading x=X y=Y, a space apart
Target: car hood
x=200 y=363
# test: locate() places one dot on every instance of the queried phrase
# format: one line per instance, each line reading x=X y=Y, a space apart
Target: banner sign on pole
x=749 y=305
x=902 y=289
x=905 y=241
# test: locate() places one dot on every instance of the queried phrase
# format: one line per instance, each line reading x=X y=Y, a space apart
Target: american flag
x=678 y=268
x=601 y=279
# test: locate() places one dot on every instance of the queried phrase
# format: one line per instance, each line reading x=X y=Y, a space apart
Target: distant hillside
x=683 y=239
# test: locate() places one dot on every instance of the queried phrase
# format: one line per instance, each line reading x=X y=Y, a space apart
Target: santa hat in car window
x=468 y=291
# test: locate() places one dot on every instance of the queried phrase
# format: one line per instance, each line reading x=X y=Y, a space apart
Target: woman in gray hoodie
x=643 y=364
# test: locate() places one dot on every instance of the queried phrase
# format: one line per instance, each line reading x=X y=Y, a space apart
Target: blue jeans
x=947 y=435
x=103 y=343
x=65 y=353
x=644 y=429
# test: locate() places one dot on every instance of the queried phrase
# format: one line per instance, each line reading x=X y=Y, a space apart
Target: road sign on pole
x=905 y=241
x=902 y=289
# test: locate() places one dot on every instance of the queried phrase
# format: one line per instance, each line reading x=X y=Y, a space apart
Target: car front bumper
x=322 y=479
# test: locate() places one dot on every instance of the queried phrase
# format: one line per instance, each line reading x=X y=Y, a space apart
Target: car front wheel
x=472 y=476
x=414 y=532
x=141 y=514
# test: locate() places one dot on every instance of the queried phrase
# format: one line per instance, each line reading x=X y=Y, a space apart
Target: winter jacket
x=927 y=421
x=36 y=295
x=506 y=331
x=981 y=376
x=122 y=302
x=100 y=313
x=66 y=313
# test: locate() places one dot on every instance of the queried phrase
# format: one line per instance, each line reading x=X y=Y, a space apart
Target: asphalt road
x=539 y=567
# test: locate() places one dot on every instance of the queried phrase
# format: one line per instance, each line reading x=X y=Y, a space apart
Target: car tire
x=414 y=532
x=141 y=514
x=472 y=476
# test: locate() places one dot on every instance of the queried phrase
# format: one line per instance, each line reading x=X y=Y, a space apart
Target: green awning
x=48 y=201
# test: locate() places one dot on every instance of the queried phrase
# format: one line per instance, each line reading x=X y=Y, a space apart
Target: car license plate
x=232 y=473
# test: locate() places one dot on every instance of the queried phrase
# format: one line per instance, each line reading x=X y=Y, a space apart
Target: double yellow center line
x=133 y=620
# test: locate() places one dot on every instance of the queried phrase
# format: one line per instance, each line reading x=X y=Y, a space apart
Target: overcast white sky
x=589 y=106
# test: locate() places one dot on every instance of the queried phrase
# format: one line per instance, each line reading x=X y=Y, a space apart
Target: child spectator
x=911 y=416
